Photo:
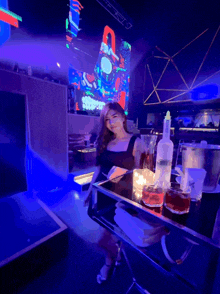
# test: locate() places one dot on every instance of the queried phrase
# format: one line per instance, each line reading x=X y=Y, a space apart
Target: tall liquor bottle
x=164 y=156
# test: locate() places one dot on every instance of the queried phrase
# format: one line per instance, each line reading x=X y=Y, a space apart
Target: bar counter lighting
x=87 y=150
x=83 y=179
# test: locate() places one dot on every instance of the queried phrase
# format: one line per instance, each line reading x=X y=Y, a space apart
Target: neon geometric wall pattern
x=72 y=23
x=110 y=79
x=7 y=18
x=174 y=94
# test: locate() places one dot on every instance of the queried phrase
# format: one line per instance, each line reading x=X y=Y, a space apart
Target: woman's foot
x=104 y=273
x=118 y=260
x=118 y=257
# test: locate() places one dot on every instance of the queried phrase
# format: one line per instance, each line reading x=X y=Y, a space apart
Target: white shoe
x=102 y=277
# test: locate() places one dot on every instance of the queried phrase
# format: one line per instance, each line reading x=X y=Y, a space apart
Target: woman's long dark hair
x=105 y=135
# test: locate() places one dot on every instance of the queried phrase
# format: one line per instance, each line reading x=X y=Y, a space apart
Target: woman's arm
x=88 y=194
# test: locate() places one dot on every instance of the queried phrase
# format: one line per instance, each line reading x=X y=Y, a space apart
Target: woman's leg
x=108 y=243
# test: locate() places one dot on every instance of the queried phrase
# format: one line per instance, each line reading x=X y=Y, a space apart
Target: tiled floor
x=76 y=272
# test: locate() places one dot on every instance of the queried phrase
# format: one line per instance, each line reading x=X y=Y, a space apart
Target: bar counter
x=185 y=254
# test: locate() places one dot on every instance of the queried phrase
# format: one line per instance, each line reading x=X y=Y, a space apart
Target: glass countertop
x=197 y=224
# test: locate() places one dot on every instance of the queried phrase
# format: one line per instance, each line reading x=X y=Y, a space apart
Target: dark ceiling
x=169 y=24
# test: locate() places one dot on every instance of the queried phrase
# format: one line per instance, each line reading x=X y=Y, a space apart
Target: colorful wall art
x=72 y=22
x=110 y=79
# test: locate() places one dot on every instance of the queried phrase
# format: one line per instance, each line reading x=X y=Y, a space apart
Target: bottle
x=29 y=70
x=164 y=156
x=87 y=139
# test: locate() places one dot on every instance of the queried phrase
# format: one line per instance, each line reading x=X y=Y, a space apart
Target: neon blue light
x=205 y=93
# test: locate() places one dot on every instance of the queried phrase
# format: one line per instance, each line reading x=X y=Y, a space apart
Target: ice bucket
x=203 y=156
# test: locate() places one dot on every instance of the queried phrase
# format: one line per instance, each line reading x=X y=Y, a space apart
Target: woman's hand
x=115 y=173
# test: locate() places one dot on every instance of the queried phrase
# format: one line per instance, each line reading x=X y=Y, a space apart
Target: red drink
x=177 y=201
x=152 y=197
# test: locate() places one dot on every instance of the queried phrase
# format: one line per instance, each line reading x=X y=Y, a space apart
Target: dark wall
x=12 y=144
x=46 y=128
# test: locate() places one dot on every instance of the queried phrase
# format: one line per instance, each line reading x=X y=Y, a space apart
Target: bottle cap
x=168 y=117
x=203 y=143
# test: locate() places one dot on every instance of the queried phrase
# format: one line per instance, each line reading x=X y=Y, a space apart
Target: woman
x=117 y=152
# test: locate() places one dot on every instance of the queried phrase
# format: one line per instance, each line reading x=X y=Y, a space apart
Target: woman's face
x=114 y=121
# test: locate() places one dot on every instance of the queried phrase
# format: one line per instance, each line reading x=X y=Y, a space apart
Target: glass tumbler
x=153 y=198
x=177 y=201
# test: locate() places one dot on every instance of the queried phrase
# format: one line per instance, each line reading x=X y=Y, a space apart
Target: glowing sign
x=7 y=18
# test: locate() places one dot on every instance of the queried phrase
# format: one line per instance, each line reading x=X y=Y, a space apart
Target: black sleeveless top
x=107 y=160
x=123 y=159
